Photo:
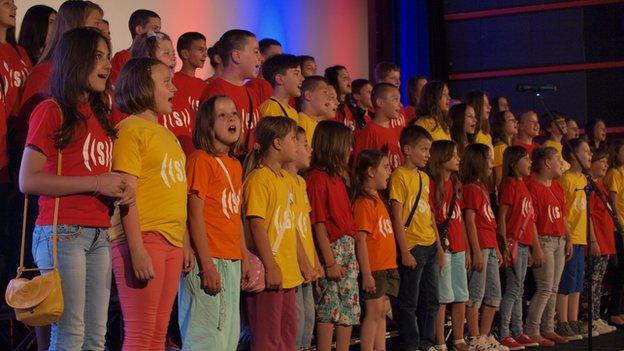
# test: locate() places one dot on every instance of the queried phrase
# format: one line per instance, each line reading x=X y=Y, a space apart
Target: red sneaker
x=541 y=341
x=526 y=341
x=512 y=344
x=556 y=338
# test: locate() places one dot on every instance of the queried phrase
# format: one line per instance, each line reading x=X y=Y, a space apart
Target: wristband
x=97 y=185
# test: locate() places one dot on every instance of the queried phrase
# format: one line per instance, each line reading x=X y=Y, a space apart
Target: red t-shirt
x=88 y=154
x=375 y=136
x=476 y=197
x=410 y=113
x=520 y=217
x=240 y=95
x=346 y=117
x=330 y=204
x=604 y=229
x=549 y=206
x=529 y=147
x=457 y=243
x=262 y=88
x=37 y=84
x=14 y=70
x=119 y=59
x=4 y=157
x=400 y=122
x=181 y=121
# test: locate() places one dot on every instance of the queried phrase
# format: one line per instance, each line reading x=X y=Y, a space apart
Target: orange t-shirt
x=222 y=205
x=371 y=216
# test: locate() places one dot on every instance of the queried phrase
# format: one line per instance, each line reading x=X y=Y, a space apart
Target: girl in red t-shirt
x=338 y=77
x=444 y=197
x=75 y=123
x=484 y=281
x=516 y=223
x=376 y=249
x=604 y=230
x=553 y=237
x=333 y=229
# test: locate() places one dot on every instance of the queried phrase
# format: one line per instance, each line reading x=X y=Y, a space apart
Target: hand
x=210 y=278
x=142 y=264
x=499 y=257
x=568 y=250
x=408 y=260
x=441 y=260
x=110 y=184
x=308 y=274
x=128 y=197
x=468 y=259
x=504 y=257
x=595 y=249
x=273 y=278
x=477 y=261
x=189 y=258
x=335 y=272
x=320 y=272
x=368 y=283
x=245 y=273
x=537 y=256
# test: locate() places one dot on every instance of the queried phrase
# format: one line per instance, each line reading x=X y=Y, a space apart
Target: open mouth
x=170 y=99
x=232 y=129
x=103 y=75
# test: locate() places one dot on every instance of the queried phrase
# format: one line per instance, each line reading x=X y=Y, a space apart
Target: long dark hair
x=457 y=115
x=442 y=152
x=498 y=128
x=331 y=75
x=512 y=155
x=74 y=59
x=330 y=147
x=32 y=36
x=476 y=99
x=365 y=160
x=590 y=128
x=429 y=104
x=473 y=169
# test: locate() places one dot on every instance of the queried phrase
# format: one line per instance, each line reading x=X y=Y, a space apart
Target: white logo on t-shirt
x=230 y=202
x=97 y=153
x=172 y=171
x=385 y=226
x=194 y=103
x=177 y=119
x=527 y=208
x=554 y=213
x=13 y=78
x=487 y=212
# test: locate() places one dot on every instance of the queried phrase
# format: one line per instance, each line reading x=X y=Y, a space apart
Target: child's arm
x=471 y=230
x=189 y=256
x=245 y=277
x=368 y=282
x=333 y=270
x=396 y=215
x=537 y=254
x=593 y=243
x=141 y=260
x=210 y=277
x=438 y=242
x=304 y=263
x=261 y=239
x=502 y=231
x=468 y=254
x=568 y=244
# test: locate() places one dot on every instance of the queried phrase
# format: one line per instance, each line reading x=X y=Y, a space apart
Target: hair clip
x=158 y=35
x=256 y=147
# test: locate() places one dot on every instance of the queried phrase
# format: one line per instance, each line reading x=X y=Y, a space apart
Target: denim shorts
x=485 y=286
x=453 y=281
x=574 y=272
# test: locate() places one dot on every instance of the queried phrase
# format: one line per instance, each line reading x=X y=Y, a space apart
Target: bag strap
x=21 y=269
x=451 y=210
x=249 y=118
x=416 y=203
x=281 y=107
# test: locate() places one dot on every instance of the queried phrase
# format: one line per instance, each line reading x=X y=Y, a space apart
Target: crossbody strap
x=250 y=118
x=416 y=203
x=281 y=107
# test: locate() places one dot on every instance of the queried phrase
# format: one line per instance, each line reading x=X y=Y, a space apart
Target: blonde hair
x=269 y=129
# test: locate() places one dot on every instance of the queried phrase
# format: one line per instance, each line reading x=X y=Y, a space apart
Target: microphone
x=535 y=88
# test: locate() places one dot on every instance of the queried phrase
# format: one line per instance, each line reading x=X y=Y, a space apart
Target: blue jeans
x=485 y=287
x=84 y=264
x=511 y=306
x=418 y=300
x=305 y=315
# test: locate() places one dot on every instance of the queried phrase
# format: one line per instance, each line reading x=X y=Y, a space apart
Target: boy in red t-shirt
x=141 y=21
x=260 y=85
x=239 y=51
x=192 y=51
x=379 y=134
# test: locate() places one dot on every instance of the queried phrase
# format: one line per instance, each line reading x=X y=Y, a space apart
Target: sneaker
x=556 y=338
x=460 y=345
x=565 y=330
x=494 y=344
x=542 y=341
x=439 y=348
x=606 y=325
x=478 y=343
x=511 y=344
x=526 y=341
x=582 y=329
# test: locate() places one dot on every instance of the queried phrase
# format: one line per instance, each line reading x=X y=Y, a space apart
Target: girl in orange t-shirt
x=376 y=251
x=214 y=179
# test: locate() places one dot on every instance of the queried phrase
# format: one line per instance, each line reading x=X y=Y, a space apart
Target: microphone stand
x=591 y=186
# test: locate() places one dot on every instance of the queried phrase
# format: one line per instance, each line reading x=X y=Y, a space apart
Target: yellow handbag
x=38 y=301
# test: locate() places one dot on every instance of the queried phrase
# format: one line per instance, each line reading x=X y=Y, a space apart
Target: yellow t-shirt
x=302 y=211
x=404 y=185
x=573 y=185
x=499 y=150
x=486 y=139
x=270 y=196
x=559 y=147
x=436 y=131
x=153 y=154
x=308 y=124
x=272 y=108
x=615 y=183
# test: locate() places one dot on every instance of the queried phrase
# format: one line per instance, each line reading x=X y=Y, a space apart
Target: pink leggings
x=273 y=320
x=146 y=305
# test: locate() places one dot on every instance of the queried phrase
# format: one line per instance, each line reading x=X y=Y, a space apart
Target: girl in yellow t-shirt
x=481 y=104
x=615 y=184
x=216 y=230
x=148 y=239
x=504 y=131
x=464 y=123
x=433 y=108
x=269 y=205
